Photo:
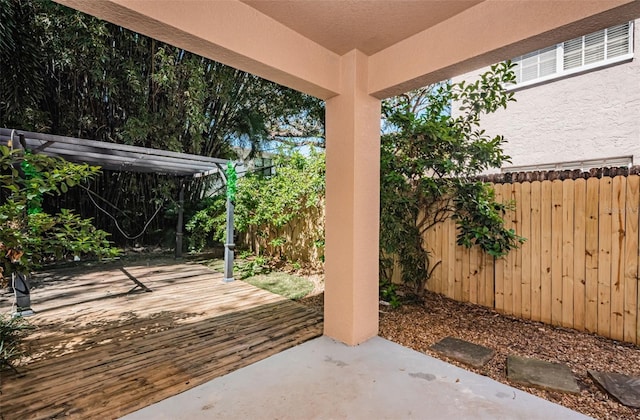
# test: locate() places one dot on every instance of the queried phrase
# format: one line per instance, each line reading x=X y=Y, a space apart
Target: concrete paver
x=541 y=374
x=463 y=351
x=623 y=388
x=378 y=379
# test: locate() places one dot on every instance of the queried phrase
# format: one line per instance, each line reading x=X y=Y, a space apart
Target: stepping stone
x=623 y=388
x=463 y=351
x=541 y=374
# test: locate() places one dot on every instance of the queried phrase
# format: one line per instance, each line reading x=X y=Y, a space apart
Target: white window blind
x=597 y=49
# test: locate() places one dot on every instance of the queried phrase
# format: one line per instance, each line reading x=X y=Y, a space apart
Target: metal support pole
x=230 y=178
x=180 y=222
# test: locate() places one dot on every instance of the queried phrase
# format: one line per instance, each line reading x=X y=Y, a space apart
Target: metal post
x=230 y=178
x=229 y=245
x=180 y=222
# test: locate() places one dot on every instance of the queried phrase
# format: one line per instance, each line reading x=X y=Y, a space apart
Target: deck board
x=100 y=350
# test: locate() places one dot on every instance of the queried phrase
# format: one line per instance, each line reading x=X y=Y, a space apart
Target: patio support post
x=352 y=206
x=180 y=223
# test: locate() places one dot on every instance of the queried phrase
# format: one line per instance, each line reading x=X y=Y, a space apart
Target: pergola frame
x=347 y=53
x=120 y=157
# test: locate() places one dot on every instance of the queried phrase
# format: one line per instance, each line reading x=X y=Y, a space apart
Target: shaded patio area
x=324 y=379
x=103 y=347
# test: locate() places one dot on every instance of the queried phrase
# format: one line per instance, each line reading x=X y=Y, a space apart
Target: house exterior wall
x=593 y=115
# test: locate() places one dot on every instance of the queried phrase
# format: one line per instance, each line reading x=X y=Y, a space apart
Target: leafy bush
x=29 y=236
x=265 y=202
x=429 y=163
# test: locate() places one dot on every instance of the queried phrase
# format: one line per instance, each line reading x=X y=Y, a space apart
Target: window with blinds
x=597 y=49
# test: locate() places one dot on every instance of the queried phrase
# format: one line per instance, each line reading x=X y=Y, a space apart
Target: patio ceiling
x=113 y=156
x=353 y=53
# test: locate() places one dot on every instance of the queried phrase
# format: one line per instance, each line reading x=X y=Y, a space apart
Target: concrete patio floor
x=324 y=379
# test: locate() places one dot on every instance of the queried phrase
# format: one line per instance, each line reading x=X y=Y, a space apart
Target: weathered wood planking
x=101 y=353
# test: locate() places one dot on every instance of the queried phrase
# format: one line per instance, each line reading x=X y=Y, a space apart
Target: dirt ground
x=420 y=326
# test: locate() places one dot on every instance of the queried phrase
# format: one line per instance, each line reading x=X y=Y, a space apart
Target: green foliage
x=389 y=293
x=67 y=73
x=264 y=202
x=12 y=332
x=479 y=220
x=29 y=239
x=252 y=266
x=298 y=184
x=429 y=159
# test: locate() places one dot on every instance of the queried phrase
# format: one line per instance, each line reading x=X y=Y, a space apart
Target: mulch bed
x=419 y=326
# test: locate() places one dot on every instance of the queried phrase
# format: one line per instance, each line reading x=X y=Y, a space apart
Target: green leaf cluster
x=432 y=151
x=263 y=202
x=29 y=239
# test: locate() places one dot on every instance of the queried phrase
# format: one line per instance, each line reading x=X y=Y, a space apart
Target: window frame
x=562 y=73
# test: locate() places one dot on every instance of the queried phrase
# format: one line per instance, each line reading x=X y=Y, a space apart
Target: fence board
x=592 y=222
x=517 y=254
x=451 y=265
x=578 y=268
x=579 y=282
x=473 y=275
x=632 y=209
x=507 y=191
x=619 y=185
x=525 y=248
x=499 y=265
x=567 y=252
x=556 y=252
x=545 y=246
x=604 y=258
x=536 y=251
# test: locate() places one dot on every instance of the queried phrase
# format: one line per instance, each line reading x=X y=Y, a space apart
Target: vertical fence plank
x=451 y=265
x=509 y=258
x=525 y=248
x=437 y=260
x=517 y=253
x=618 y=225
x=604 y=257
x=567 y=252
x=631 y=260
x=556 y=252
x=579 y=282
x=536 y=249
x=457 y=292
x=545 y=246
x=473 y=275
x=466 y=274
x=499 y=265
x=592 y=223
x=489 y=291
x=443 y=240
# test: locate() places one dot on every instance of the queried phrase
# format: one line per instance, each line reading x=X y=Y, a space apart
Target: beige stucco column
x=352 y=208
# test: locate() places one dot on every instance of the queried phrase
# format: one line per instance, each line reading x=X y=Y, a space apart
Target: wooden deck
x=101 y=350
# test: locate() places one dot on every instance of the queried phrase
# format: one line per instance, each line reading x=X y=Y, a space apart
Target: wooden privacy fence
x=578 y=267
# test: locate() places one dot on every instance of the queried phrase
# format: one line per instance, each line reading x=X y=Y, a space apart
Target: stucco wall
x=594 y=115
